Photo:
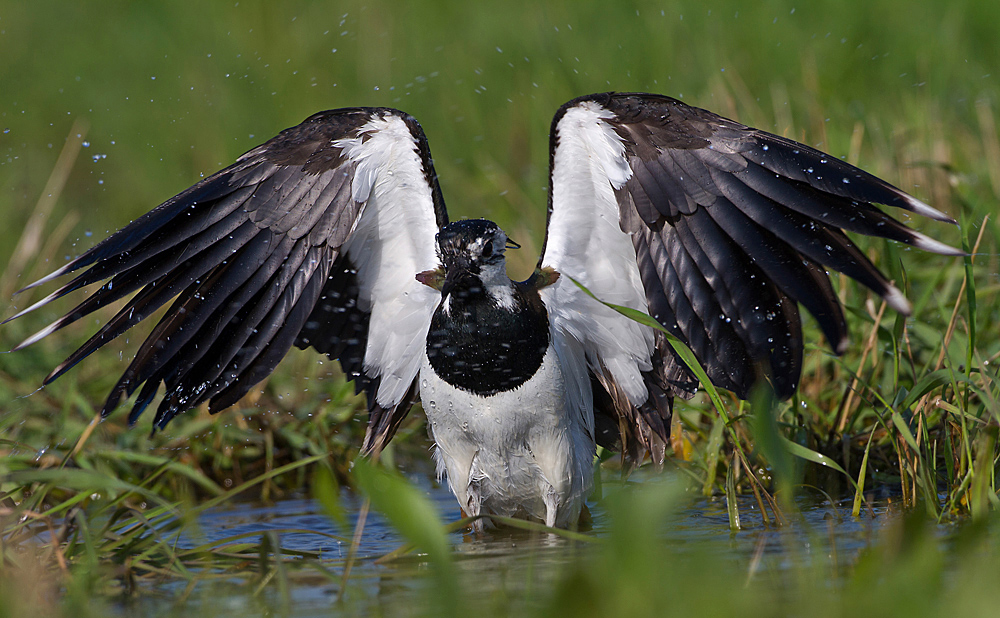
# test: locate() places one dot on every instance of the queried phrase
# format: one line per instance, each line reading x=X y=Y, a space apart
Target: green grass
x=153 y=96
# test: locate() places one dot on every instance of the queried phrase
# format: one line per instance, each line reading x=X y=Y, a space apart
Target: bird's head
x=472 y=260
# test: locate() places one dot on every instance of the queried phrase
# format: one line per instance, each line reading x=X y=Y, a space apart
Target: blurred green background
x=172 y=91
x=168 y=92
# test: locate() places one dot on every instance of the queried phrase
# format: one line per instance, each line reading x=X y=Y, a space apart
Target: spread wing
x=311 y=239
x=717 y=230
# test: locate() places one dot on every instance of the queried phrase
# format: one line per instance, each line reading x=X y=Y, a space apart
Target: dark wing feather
x=731 y=227
x=258 y=257
x=771 y=211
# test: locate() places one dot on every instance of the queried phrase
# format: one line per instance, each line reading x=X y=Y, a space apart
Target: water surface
x=497 y=565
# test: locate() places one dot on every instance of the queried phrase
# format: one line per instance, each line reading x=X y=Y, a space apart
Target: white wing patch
x=585 y=242
x=393 y=241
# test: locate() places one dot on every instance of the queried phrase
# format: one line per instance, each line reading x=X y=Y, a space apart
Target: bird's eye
x=488 y=250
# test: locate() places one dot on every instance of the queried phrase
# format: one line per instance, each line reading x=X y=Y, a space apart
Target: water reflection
x=500 y=564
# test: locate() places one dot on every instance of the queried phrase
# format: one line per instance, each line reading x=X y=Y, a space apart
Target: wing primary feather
x=251 y=334
x=850 y=215
x=799 y=278
x=202 y=375
x=196 y=229
x=813 y=239
x=137 y=276
x=829 y=174
x=757 y=306
x=204 y=358
x=158 y=291
x=305 y=290
x=191 y=310
x=744 y=302
x=122 y=321
x=146 y=396
x=130 y=271
x=130 y=236
x=706 y=322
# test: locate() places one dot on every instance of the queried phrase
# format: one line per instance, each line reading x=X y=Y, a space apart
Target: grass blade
x=859 y=487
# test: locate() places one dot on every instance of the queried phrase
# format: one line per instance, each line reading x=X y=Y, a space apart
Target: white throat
x=498 y=285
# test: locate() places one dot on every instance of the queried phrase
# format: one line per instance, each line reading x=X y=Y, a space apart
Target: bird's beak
x=451 y=277
x=512 y=245
x=453 y=273
x=441 y=280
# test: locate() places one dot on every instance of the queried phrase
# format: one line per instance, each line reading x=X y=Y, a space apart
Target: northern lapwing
x=334 y=235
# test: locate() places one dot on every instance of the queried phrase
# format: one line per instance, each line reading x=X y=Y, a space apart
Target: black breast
x=485 y=349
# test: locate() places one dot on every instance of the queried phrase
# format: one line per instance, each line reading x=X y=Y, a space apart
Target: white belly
x=519 y=453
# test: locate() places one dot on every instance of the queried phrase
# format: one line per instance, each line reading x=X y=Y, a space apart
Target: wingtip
x=839 y=348
x=897 y=301
x=926 y=243
x=55 y=373
x=45 y=332
x=922 y=208
x=55 y=274
x=44 y=301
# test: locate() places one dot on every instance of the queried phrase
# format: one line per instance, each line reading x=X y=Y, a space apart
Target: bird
x=334 y=236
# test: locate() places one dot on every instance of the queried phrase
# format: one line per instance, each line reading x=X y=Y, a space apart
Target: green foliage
x=414 y=516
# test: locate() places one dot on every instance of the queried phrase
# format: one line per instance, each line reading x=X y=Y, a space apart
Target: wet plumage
x=334 y=236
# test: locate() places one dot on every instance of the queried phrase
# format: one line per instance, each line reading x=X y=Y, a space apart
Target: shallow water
x=499 y=563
